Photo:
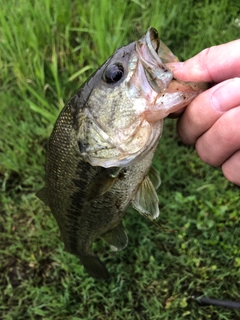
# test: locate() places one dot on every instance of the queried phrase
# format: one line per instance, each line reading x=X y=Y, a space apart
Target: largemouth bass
x=100 y=152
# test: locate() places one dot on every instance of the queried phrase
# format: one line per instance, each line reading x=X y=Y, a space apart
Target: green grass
x=47 y=49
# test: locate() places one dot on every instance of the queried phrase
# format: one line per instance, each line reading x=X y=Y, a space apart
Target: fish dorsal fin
x=116 y=237
x=42 y=195
x=102 y=182
x=146 y=199
x=154 y=177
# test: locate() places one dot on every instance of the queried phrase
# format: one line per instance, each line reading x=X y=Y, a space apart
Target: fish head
x=118 y=113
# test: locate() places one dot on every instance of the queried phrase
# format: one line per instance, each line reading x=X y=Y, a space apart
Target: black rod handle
x=214 y=302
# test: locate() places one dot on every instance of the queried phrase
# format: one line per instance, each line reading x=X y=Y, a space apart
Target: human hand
x=212 y=120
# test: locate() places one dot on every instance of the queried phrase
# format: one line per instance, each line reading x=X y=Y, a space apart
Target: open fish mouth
x=168 y=94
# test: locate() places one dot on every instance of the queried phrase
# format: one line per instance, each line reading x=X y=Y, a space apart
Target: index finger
x=214 y=64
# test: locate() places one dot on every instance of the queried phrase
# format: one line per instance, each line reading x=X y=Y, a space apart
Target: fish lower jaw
x=170 y=102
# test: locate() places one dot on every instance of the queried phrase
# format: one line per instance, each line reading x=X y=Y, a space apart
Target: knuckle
x=203 y=154
x=205 y=58
x=229 y=128
x=231 y=168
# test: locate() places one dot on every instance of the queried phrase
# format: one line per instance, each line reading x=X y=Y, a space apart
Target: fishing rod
x=204 y=301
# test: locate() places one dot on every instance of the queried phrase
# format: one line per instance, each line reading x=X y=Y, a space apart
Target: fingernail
x=174 y=66
x=222 y=96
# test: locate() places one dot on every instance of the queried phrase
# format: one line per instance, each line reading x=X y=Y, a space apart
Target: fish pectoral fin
x=154 y=176
x=146 y=199
x=116 y=237
x=102 y=182
x=42 y=195
x=94 y=267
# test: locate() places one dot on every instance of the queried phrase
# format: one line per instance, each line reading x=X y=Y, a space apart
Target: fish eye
x=113 y=73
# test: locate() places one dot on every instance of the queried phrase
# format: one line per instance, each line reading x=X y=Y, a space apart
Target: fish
x=99 y=154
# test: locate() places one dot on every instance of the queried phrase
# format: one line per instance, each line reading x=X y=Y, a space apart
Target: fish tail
x=94 y=267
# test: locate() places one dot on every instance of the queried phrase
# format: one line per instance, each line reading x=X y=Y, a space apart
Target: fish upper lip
x=152 y=40
x=149 y=51
x=157 y=45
